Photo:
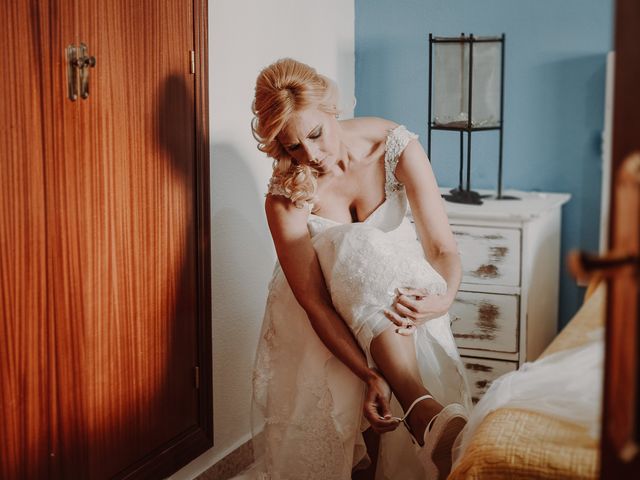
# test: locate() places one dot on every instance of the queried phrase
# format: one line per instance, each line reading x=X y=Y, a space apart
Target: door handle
x=78 y=64
x=584 y=265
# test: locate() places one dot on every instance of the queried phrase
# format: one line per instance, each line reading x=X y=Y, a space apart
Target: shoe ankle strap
x=415 y=402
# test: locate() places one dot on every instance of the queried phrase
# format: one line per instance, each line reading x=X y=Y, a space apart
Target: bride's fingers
x=406 y=312
x=386 y=429
x=398 y=319
x=416 y=292
x=380 y=424
x=406 y=331
x=415 y=309
x=406 y=325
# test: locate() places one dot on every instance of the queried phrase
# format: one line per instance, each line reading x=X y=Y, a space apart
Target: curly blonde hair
x=283 y=88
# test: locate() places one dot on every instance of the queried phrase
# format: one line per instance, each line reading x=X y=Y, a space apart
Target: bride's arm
x=414 y=171
x=301 y=267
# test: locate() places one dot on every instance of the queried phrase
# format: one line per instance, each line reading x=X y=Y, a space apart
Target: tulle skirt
x=307 y=405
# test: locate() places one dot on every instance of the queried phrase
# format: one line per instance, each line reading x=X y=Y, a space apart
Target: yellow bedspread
x=520 y=444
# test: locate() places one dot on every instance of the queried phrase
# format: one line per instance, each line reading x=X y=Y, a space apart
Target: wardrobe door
x=24 y=415
x=128 y=298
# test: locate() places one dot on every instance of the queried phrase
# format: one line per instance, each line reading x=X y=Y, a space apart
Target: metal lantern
x=466 y=94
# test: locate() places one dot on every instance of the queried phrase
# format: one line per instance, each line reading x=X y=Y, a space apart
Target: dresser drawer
x=485 y=321
x=481 y=372
x=489 y=255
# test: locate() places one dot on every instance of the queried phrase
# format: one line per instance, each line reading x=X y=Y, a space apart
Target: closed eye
x=314 y=134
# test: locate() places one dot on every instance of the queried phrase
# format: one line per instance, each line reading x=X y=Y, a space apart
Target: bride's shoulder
x=372 y=129
x=283 y=211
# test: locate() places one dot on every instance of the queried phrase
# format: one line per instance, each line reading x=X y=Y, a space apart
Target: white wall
x=244 y=37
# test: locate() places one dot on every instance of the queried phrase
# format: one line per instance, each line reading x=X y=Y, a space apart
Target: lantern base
x=506 y=197
x=458 y=195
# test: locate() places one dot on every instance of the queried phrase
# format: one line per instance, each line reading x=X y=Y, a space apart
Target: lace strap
x=397 y=140
x=276 y=188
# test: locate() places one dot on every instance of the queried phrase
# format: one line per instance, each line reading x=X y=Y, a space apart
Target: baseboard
x=231 y=464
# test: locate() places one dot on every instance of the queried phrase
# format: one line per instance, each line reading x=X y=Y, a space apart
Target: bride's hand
x=415 y=306
x=376 y=405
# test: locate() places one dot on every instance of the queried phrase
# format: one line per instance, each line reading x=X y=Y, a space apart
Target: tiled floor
x=231 y=465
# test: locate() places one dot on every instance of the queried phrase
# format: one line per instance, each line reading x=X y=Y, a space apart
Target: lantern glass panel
x=451 y=66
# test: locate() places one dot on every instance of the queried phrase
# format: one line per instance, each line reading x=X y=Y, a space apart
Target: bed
x=520 y=444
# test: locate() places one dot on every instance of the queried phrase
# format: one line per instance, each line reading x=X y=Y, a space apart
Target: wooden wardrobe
x=105 y=320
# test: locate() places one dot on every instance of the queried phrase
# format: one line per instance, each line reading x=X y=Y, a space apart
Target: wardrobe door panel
x=126 y=258
x=24 y=395
x=69 y=438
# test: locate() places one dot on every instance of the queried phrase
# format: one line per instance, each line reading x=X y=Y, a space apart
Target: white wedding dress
x=307 y=405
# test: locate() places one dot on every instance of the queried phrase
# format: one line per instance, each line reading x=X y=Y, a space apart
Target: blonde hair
x=282 y=89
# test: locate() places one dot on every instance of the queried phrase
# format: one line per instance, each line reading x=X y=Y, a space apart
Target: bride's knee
x=391 y=344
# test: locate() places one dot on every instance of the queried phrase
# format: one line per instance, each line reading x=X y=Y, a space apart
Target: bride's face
x=312 y=137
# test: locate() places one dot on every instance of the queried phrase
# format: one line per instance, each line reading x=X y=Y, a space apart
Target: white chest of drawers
x=506 y=310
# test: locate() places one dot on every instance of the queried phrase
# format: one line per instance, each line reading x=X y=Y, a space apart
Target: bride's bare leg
x=395 y=356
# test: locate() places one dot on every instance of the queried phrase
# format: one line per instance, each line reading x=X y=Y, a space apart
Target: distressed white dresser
x=506 y=310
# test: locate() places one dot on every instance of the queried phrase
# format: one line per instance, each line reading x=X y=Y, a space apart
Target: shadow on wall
x=576 y=104
x=374 y=53
x=577 y=143
x=242 y=263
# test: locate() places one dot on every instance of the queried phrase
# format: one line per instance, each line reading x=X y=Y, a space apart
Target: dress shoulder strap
x=276 y=188
x=397 y=140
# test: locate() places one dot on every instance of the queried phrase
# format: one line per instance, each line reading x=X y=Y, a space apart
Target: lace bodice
x=392 y=211
x=397 y=140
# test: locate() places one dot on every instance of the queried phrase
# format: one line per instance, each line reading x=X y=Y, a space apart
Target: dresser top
x=531 y=205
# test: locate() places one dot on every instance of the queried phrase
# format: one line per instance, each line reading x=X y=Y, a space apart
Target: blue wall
x=554 y=96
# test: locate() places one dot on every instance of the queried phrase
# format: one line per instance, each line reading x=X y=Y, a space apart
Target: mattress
x=520 y=444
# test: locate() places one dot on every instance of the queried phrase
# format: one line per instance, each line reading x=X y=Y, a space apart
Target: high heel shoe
x=406 y=415
x=439 y=436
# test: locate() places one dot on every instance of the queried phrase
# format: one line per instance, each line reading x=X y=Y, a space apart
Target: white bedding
x=566 y=384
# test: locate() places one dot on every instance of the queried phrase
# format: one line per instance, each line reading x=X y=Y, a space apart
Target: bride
x=357 y=306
